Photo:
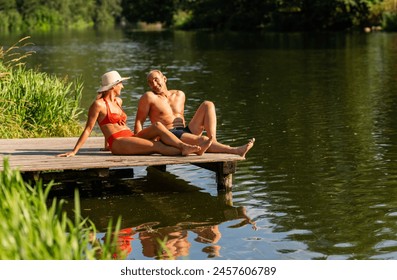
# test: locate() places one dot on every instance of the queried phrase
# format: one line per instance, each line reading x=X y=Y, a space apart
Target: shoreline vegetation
x=269 y=15
x=35 y=104
x=30 y=229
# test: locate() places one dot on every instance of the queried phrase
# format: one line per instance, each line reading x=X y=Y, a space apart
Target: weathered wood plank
x=40 y=154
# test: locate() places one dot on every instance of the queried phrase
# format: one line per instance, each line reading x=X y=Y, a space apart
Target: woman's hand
x=68 y=154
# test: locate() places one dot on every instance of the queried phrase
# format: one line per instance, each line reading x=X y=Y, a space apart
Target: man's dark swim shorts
x=178 y=131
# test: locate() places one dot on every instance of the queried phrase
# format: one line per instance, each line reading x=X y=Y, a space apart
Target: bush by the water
x=35 y=104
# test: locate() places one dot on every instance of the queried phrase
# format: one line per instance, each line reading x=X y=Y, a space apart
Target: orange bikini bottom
x=119 y=134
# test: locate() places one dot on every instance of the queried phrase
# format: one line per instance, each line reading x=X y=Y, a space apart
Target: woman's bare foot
x=190 y=149
x=204 y=146
x=243 y=150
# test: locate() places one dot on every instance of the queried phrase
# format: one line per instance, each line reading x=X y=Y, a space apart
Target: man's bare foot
x=204 y=146
x=243 y=150
x=190 y=149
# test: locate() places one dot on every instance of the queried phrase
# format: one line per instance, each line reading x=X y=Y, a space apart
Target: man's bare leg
x=204 y=145
x=204 y=119
x=217 y=147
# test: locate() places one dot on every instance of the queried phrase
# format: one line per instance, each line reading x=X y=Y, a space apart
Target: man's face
x=157 y=82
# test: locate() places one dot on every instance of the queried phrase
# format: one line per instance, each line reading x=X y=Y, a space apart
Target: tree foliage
x=283 y=15
x=149 y=11
x=236 y=14
x=56 y=14
x=107 y=12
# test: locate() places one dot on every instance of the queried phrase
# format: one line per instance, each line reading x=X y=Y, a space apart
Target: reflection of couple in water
x=168 y=242
x=172 y=242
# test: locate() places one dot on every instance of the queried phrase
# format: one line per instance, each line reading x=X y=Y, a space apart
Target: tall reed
x=35 y=104
x=32 y=230
x=14 y=55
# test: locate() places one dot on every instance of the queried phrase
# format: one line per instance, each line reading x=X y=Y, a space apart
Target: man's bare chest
x=174 y=102
x=164 y=107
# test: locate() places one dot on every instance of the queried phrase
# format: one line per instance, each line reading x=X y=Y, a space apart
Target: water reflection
x=163 y=216
x=167 y=243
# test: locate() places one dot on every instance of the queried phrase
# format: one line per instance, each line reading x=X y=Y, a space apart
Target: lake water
x=321 y=180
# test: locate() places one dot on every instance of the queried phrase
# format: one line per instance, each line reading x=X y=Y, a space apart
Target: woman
x=107 y=111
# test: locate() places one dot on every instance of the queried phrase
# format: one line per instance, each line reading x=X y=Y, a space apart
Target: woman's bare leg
x=140 y=146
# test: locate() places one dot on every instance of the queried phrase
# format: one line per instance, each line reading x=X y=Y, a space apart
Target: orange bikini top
x=113 y=117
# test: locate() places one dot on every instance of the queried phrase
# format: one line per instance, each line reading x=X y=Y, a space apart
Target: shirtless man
x=167 y=107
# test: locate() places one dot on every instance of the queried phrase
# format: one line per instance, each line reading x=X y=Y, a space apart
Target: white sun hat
x=110 y=79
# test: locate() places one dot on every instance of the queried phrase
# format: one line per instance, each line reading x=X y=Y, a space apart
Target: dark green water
x=321 y=181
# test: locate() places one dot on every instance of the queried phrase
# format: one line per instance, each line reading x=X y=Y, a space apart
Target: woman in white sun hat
x=107 y=111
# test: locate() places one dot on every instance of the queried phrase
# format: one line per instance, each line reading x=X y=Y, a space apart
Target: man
x=167 y=107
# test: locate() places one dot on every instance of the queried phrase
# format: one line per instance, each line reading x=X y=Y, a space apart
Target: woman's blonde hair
x=99 y=95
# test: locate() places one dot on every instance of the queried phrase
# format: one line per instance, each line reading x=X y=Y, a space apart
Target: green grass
x=35 y=104
x=30 y=229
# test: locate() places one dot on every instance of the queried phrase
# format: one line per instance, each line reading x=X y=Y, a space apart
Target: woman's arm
x=93 y=114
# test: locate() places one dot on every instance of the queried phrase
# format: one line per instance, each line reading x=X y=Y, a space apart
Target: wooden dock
x=39 y=155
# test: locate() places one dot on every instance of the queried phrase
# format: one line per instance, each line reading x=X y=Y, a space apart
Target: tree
x=149 y=11
x=107 y=12
x=322 y=14
x=7 y=5
x=233 y=14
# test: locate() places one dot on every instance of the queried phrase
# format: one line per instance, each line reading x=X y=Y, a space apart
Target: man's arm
x=179 y=104
x=142 y=112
